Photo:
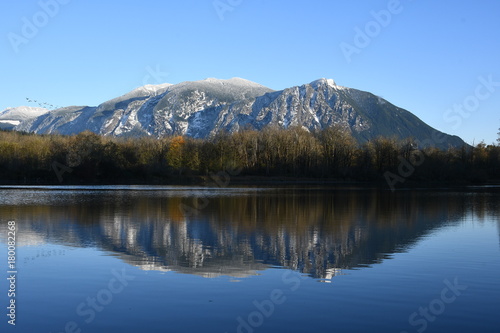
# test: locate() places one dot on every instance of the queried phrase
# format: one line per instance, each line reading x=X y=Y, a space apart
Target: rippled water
x=184 y=259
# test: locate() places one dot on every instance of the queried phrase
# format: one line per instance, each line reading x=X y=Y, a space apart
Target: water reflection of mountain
x=317 y=232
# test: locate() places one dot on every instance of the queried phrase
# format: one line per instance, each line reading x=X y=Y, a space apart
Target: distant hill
x=11 y=117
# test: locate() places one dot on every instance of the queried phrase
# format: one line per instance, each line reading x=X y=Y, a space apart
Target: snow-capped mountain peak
x=234 y=81
x=152 y=89
x=323 y=81
x=141 y=92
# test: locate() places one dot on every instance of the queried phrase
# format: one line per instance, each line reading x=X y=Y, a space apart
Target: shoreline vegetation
x=268 y=157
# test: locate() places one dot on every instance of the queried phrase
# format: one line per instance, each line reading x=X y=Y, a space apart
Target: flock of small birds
x=43 y=104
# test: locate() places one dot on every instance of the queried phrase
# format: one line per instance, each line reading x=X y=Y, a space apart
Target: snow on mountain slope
x=22 y=113
x=11 y=117
x=203 y=108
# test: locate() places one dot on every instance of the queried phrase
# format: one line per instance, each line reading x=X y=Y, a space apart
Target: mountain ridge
x=201 y=109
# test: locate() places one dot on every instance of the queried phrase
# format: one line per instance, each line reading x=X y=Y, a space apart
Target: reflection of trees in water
x=316 y=232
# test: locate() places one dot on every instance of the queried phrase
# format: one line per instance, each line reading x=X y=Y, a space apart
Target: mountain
x=201 y=109
x=11 y=117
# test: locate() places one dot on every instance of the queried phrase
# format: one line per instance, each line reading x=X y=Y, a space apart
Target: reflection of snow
x=330 y=273
x=23 y=238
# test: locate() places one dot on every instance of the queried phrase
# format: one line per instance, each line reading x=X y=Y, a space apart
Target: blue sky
x=437 y=59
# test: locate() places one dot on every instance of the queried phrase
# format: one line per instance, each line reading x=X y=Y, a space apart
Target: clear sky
x=437 y=59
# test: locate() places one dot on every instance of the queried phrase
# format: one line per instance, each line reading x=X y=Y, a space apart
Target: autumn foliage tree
x=175 y=153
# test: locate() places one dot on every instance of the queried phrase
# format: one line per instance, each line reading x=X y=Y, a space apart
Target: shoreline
x=252 y=181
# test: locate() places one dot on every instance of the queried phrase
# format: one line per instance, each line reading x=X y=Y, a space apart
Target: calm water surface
x=180 y=259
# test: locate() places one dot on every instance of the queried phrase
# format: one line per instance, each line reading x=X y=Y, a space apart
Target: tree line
x=333 y=154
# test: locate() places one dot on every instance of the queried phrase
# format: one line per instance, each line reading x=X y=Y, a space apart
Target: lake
x=251 y=259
